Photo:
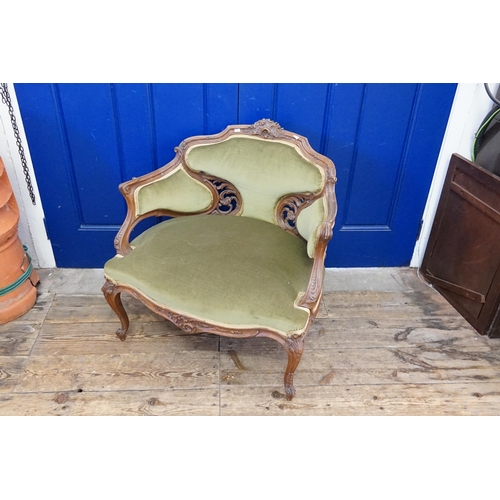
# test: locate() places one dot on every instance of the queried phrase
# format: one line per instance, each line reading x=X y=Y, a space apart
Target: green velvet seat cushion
x=231 y=270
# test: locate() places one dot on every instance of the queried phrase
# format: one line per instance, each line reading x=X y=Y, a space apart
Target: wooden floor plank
x=200 y=402
x=411 y=399
x=325 y=334
x=95 y=309
x=11 y=368
x=17 y=337
x=38 y=312
x=387 y=320
x=100 y=338
x=425 y=364
x=322 y=312
x=138 y=371
x=398 y=304
x=385 y=311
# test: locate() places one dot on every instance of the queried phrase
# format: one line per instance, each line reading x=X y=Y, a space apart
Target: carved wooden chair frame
x=227 y=200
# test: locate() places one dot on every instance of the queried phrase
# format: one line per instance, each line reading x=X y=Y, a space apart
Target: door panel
x=134 y=121
x=377 y=165
x=385 y=173
x=305 y=104
x=256 y=101
x=87 y=123
x=384 y=139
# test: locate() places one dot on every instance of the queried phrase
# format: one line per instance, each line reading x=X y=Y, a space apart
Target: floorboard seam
x=219 y=385
x=38 y=334
x=106 y=391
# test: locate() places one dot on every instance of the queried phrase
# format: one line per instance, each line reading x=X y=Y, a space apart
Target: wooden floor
x=404 y=352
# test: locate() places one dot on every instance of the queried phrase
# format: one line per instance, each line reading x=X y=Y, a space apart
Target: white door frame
x=470 y=105
x=32 y=232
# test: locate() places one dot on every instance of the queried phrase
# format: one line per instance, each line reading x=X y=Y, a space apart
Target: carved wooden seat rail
x=253 y=210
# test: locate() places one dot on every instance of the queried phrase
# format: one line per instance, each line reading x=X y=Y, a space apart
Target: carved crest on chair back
x=266 y=128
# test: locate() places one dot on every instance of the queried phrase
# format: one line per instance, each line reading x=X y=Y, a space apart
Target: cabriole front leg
x=294 y=348
x=112 y=296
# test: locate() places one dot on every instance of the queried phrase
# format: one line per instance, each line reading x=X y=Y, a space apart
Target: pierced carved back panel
x=289 y=208
x=227 y=199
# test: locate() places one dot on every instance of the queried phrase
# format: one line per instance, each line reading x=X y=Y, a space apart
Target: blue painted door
x=384 y=139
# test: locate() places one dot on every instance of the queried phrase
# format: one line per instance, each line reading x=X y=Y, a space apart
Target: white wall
x=31 y=227
x=470 y=106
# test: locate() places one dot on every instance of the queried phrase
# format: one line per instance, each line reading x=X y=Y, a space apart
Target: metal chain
x=4 y=92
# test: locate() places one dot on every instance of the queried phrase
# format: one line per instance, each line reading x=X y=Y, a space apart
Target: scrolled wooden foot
x=121 y=334
x=294 y=348
x=113 y=298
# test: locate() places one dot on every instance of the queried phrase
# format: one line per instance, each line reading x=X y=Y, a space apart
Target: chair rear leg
x=114 y=300
x=294 y=348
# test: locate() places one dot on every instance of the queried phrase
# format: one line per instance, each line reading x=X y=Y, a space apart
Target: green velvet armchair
x=253 y=210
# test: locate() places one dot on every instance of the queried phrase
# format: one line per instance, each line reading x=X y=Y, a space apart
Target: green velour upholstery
x=262 y=171
x=308 y=222
x=177 y=191
x=236 y=271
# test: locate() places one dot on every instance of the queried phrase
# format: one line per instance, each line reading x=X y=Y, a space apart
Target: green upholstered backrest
x=264 y=171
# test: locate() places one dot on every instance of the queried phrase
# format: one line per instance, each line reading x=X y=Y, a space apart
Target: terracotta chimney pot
x=14 y=262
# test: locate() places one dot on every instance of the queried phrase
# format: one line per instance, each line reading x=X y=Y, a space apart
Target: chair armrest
x=127 y=189
x=174 y=190
x=314 y=290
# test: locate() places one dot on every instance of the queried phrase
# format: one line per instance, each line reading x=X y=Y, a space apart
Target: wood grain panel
x=482 y=398
x=112 y=372
x=17 y=338
x=200 y=402
x=425 y=364
x=100 y=338
x=11 y=368
x=92 y=309
x=327 y=334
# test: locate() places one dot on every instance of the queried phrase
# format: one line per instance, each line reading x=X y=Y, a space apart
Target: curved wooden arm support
x=226 y=199
x=312 y=297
